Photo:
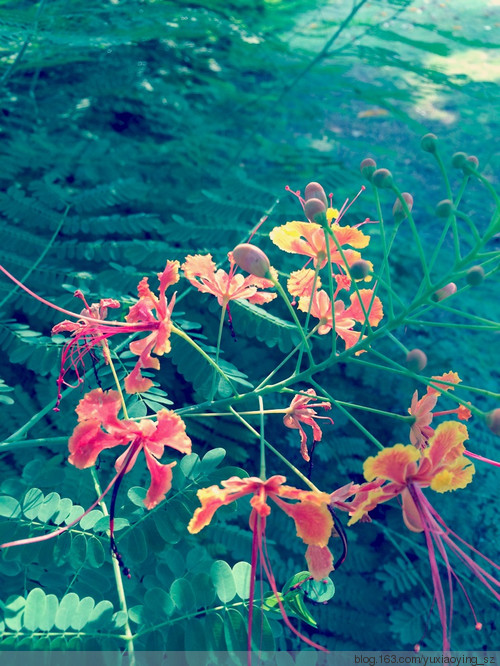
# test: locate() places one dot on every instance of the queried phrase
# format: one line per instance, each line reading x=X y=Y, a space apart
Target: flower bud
x=429 y=143
x=444 y=292
x=470 y=164
x=315 y=191
x=252 y=260
x=444 y=208
x=398 y=210
x=458 y=160
x=416 y=360
x=367 y=167
x=315 y=211
x=382 y=178
x=493 y=421
x=475 y=275
x=359 y=269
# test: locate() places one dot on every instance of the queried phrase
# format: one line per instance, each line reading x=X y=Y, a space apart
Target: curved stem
x=208 y=359
x=118 y=578
x=305 y=342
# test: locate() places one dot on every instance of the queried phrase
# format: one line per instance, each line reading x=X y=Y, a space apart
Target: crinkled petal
x=313 y=521
x=100 y=406
x=300 y=283
x=391 y=464
x=447 y=444
x=170 y=431
x=198 y=265
x=451 y=377
x=161 y=480
x=454 y=476
x=350 y=236
x=355 y=310
x=87 y=442
x=319 y=561
x=213 y=498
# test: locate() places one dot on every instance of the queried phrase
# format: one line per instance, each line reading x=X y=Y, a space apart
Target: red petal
x=161 y=480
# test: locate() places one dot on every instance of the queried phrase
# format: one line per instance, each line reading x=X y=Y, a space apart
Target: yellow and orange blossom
x=313 y=520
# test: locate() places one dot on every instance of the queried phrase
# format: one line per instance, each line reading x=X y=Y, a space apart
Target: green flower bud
x=470 y=164
x=398 y=210
x=252 y=260
x=429 y=143
x=475 y=275
x=416 y=360
x=315 y=191
x=367 y=167
x=382 y=178
x=359 y=269
x=493 y=421
x=458 y=160
x=315 y=211
x=444 y=208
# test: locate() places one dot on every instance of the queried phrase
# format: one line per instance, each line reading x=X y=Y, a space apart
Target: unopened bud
x=470 y=164
x=315 y=191
x=478 y=626
x=382 y=178
x=315 y=211
x=475 y=275
x=359 y=269
x=416 y=360
x=398 y=210
x=458 y=160
x=444 y=292
x=368 y=166
x=252 y=260
x=493 y=421
x=444 y=208
x=429 y=143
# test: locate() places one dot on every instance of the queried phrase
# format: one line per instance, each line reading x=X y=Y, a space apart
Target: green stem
x=351 y=418
x=208 y=359
x=262 y=441
x=305 y=342
x=285 y=360
x=385 y=263
x=217 y=353
x=308 y=315
x=118 y=578
x=413 y=226
x=284 y=460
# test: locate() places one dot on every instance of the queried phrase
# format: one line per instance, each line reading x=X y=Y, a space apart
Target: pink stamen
x=296 y=193
x=272 y=582
x=56 y=307
x=477 y=457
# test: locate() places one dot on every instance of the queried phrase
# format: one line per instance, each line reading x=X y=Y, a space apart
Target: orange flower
x=345 y=318
x=404 y=470
x=159 y=322
x=202 y=273
x=451 y=377
x=308 y=238
x=313 y=522
x=99 y=428
x=301 y=411
x=422 y=410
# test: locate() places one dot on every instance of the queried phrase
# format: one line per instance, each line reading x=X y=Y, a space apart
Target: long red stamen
x=272 y=582
x=91 y=320
x=477 y=457
x=253 y=574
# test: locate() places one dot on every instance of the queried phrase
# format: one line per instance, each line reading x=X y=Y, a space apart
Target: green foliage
x=136 y=132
